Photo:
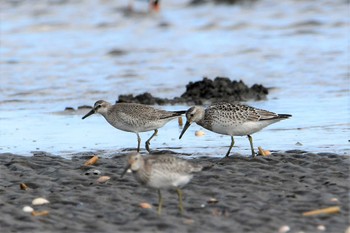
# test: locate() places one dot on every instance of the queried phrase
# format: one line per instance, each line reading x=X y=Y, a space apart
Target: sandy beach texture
x=237 y=194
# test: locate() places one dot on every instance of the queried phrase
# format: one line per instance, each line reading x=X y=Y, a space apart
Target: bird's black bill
x=125 y=170
x=185 y=128
x=88 y=114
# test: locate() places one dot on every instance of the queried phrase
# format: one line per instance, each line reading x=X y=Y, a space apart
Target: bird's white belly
x=242 y=129
x=169 y=180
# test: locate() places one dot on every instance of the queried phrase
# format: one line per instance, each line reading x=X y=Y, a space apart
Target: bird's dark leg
x=232 y=143
x=251 y=145
x=148 y=141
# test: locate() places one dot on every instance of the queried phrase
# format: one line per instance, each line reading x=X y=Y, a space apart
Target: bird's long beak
x=89 y=113
x=125 y=170
x=185 y=128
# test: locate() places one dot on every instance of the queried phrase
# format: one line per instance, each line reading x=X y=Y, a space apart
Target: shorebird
x=134 y=118
x=162 y=172
x=232 y=119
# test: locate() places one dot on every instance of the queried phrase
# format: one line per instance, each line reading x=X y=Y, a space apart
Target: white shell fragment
x=284 y=229
x=321 y=228
x=28 y=209
x=40 y=201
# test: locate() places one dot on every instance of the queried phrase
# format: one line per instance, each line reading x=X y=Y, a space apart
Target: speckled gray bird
x=134 y=118
x=162 y=172
x=232 y=119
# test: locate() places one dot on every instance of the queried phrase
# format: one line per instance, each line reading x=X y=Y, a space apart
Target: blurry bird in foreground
x=162 y=172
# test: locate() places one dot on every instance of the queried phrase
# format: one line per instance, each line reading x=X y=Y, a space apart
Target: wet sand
x=254 y=195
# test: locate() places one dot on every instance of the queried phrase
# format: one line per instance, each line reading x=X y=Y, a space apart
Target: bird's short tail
x=180 y=112
x=284 y=116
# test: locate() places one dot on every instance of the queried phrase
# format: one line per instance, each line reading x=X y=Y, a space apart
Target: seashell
x=321 y=228
x=91 y=161
x=329 y=210
x=334 y=199
x=28 y=209
x=263 y=152
x=199 y=133
x=284 y=229
x=23 y=186
x=145 y=205
x=103 y=179
x=179 y=120
x=40 y=201
x=212 y=200
x=40 y=213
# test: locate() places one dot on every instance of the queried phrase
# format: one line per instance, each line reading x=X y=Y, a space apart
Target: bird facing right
x=232 y=119
x=162 y=172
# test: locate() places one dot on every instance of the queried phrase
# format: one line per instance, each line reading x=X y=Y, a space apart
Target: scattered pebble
x=321 y=228
x=284 y=229
x=28 y=209
x=40 y=201
x=188 y=221
x=334 y=199
x=145 y=205
x=298 y=144
x=40 y=213
x=23 y=186
x=199 y=133
x=103 y=179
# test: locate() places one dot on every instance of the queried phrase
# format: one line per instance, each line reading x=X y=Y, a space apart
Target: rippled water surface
x=55 y=54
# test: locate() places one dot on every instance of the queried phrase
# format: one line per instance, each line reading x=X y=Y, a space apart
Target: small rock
x=321 y=228
x=212 y=200
x=188 y=221
x=199 y=133
x=40 y=213
x=92 y=172
x=145 y=205
x=23 y=186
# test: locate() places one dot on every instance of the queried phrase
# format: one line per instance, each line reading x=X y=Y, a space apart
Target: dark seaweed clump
x=205 y=91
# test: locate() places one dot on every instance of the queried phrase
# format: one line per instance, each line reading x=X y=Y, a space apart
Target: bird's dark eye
x=98 y=106
x=191 y=114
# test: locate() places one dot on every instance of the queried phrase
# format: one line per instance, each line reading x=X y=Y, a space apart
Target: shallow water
x=55 y=54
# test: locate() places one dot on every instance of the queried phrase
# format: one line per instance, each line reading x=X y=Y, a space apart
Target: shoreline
x=251 y=195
